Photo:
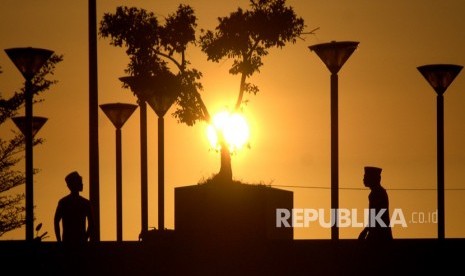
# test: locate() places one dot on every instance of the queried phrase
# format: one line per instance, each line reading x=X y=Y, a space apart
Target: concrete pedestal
x=230 y=212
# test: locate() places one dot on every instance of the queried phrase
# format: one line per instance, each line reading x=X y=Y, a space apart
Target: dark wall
x=230 y=212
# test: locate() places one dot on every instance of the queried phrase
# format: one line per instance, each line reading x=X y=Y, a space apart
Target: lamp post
x=440 y=76
x=29 y=61
x=163 y=95
x=118 y=113
x=94 y=181
x=133 y=83
x=334 y=55
x=160 y=92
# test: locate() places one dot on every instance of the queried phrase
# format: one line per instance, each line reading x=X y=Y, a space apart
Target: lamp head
x=440 y=76
x=159 y=91
x=37 y=123
x=28 y=60
x=334 y=54
x=118 y=113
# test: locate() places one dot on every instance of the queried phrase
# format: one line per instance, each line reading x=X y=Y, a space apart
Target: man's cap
x=373 y=170
x=72 y=176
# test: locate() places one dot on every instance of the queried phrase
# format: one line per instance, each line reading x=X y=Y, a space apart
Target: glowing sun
x=232 y=127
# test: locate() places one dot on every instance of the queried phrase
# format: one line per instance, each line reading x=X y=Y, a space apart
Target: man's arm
x=57 y=219
x=90 y=222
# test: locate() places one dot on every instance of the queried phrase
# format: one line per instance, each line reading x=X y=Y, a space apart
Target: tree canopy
x=153 y=47
x=245 y=36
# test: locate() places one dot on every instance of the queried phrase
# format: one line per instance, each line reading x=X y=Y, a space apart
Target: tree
x=246 y=37
x=152 y=47
x=11 y=206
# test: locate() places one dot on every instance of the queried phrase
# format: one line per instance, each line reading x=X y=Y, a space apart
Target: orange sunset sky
x=387 y=111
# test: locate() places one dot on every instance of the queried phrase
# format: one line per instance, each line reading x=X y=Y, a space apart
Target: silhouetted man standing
x=74 y=211
x=378 y=228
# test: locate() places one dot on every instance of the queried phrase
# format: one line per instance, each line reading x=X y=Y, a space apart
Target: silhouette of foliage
x=11 y=206
x=152 y=48
x=245 y=36
x=137 y=30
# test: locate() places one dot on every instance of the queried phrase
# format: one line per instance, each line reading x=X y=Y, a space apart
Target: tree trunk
x=225 y=173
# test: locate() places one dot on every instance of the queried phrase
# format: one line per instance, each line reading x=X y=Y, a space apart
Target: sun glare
x=232 y=126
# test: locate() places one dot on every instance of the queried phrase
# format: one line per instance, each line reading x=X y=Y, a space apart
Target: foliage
x=245 y=36
x=137 y=30
x=12 y=206
x=152 y=48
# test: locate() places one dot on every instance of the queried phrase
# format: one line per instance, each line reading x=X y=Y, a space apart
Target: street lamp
x=440 y=76
x=29 y=61
x=118 y=113
x=133 y=83
x=334 y=55
x=160 y=92
x=163 y=94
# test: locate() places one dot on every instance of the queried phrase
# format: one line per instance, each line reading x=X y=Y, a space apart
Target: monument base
x=231 y=211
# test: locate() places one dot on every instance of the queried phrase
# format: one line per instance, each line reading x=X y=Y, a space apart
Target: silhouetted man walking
x=74 y=211
x=378 y=228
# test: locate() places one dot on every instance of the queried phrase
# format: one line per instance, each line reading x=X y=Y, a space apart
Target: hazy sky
x=387 y=111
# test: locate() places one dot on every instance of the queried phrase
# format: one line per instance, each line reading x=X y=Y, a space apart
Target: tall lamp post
x=134 y=84
x=162 y=97
x=29 y=61
x=94 y=181
x=160 y=92
x=118 y=113
x=440 y=76
x=334 y=55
